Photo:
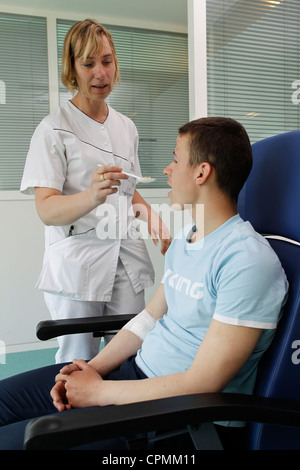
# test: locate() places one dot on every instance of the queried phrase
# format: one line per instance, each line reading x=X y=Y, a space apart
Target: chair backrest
x=270 y=200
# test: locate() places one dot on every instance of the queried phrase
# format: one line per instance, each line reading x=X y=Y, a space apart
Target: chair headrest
x=270 y=198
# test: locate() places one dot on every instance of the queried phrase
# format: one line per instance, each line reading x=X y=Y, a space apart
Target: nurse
x=75 y=169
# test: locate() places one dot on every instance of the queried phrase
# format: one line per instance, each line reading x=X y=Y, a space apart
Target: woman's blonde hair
x=87 y=36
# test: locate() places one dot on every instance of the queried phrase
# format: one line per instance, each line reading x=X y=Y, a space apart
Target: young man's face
x=181 y=176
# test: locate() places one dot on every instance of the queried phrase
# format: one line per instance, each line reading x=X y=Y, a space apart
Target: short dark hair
x=224 y=143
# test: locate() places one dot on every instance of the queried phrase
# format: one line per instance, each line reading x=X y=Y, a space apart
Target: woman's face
x=95 y=75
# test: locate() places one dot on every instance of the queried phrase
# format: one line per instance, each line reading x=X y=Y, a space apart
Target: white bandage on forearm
x=141 y=324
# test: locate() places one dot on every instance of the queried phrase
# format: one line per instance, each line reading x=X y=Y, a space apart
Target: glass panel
x=253 y=63
x=23 y=91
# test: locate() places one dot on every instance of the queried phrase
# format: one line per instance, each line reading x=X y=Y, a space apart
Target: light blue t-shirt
x=233 y=276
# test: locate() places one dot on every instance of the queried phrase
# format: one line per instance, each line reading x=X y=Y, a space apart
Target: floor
x=23 y=361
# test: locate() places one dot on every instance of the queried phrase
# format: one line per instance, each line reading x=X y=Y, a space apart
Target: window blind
x=153 y=91
x=23 y=91
x=253 y=63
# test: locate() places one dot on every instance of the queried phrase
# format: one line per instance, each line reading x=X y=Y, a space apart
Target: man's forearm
x=126 y=344
x=132 y=391
x=122 y=346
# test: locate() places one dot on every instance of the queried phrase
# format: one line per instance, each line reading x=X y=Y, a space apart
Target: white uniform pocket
x=66 y=265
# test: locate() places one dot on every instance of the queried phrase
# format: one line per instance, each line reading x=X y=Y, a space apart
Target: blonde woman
x=75 y=169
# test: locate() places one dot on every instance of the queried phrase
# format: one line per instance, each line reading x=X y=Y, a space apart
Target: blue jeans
x=27 y=396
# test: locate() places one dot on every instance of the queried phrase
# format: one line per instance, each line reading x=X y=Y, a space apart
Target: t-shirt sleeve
x=45 y=164
x=250 y=287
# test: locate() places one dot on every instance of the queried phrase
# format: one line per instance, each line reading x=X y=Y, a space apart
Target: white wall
x=22 y=246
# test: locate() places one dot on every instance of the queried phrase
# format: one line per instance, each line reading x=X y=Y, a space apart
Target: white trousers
x=84 y=345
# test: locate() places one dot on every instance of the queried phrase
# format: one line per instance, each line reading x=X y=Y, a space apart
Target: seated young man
x=212 y=317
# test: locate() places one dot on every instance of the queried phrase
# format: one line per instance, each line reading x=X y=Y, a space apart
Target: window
x=23 y=91
x=153 y=90
x=254 y=64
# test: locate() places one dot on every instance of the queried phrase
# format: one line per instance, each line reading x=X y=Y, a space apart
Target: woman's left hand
x=156 y=227
x=158 y=230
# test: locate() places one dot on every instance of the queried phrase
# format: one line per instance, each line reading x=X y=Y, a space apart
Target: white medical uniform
x=84 y=262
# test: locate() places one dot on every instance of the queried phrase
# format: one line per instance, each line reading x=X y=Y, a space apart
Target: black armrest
x=65 y=430
x=52 y=328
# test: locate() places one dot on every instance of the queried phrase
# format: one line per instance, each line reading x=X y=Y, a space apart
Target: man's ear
x=204 y=169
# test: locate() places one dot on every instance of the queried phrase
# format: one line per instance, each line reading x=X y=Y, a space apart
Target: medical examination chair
x=270 y=200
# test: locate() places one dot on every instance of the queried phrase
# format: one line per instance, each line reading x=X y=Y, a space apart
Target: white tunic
x=65 y=149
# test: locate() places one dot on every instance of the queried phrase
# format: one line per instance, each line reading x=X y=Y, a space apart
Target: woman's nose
x=99 y=71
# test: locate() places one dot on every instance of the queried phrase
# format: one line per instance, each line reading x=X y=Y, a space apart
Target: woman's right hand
x=57 y=209
x=105 y=181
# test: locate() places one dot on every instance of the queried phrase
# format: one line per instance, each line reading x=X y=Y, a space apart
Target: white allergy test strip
x=140 y=179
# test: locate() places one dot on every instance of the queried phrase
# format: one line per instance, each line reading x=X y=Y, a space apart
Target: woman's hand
x=158 y=230
x=54 y=208
x=156 y=227
x=105 y=181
